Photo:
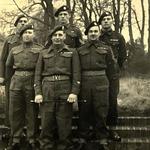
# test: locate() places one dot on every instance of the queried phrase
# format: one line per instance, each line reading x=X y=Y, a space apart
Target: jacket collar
x=108 y=32
x=52 y=48
x=94 y=43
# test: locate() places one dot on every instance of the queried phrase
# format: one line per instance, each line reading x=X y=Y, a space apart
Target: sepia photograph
x=74 y=74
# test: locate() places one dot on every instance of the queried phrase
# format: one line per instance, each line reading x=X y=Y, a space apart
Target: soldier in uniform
x=22 y=59
x=117 y=43
x=73 y=34
x=57 y=81
x=96 y=61
x=11 y=41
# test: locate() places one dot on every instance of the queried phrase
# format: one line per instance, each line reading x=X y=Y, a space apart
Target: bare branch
x=34 y=5
x=34 y=18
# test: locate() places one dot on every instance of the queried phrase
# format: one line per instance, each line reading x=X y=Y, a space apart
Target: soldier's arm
x=76 y=73
x=122 y=51
x=112 y=67
x=9 y=65
x=38 y=76
x=3 y=58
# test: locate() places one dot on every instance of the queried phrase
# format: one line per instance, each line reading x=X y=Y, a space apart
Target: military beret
x=18 y=18
x=26 y=27
x=57 y=28
x=92 y=24
x=104 y=14
x=62 y=8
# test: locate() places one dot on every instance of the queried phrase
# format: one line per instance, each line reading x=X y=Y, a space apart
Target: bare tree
x=72 y=6
x=48 y=19
x=149 y=28
x=119 y=12
x=141 y=27
x=130 y=21
x=143 y=23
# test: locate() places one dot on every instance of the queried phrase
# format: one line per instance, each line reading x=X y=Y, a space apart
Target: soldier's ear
x=64 y=35
x=69 y=14
x=113 y=21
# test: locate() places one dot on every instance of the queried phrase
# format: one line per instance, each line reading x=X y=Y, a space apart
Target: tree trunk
x=143 y=24
x=49 y=20
x=116 y=14
x=149 y=27
x=84 y=12
x=73 y=2
x=130 y=22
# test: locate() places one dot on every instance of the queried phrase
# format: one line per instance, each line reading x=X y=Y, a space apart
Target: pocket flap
x=66 y=54
x=101 y=50
x=35 y=50
x=84 y=52
x=48 y=55
x=17 y=51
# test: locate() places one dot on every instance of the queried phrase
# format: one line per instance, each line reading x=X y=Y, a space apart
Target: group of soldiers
x=63 y=73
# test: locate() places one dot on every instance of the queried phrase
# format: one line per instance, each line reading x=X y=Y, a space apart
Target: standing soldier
x=12 y=41
x=117 y=43
x=73 y=34
x=57 y=81
x=22 y=59
x=96 y=60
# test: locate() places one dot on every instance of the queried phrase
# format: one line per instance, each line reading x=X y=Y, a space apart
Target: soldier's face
x=23 y=21
x=94 y=33
x=107 y=22
x=58 y=38
x=28 y=36
x=63 y=17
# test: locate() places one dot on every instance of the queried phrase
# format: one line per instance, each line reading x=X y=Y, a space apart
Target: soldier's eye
x=60 y=35
x=95 y=31
x=21 y=21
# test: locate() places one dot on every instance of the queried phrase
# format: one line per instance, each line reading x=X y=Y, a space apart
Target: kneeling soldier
x=96 y=59
x=22 y=59
x=57 y=81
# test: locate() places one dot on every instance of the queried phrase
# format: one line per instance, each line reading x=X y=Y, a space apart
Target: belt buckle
x=24 y=73
x=53 y=77
x=56 y=77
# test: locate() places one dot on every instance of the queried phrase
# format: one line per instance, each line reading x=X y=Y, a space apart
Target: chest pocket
x=65 y=59
x=71 y=32
x=33 y=55
x=114 y=42
x=101 y=56
x=85 y=58
x=18 y=55
x=48 y=59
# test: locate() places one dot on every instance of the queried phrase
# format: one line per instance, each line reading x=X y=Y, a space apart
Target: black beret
x=92 y=24
x=57 y=28
x=104 y=14
x=26 y=27
x=62 y=8
x=18 y=18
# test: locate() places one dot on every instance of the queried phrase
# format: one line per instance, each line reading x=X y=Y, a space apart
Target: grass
x=134 y=95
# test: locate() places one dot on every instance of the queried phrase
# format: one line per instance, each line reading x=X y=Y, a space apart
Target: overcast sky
x=9 y=4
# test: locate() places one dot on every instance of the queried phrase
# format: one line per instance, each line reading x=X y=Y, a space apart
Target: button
x=78 y=82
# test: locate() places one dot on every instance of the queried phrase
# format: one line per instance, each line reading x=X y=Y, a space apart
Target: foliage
x=137 y=61
x=134 y=95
